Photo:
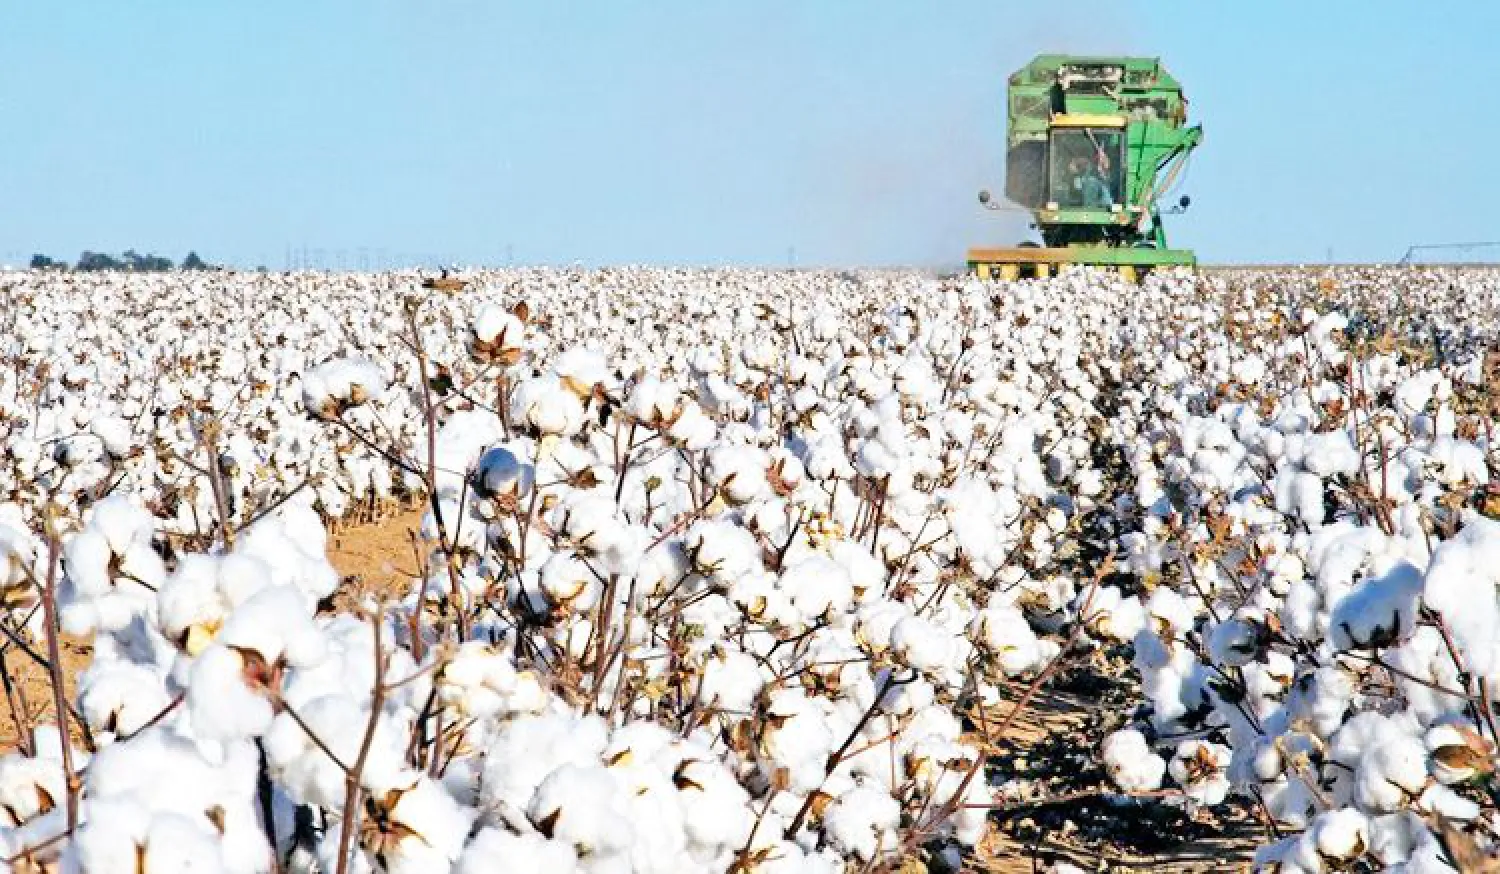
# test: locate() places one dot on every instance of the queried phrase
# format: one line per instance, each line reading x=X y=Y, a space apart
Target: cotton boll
x=501 y=474
x=1380 y=611
x=862 y=822
x=1130 y=762
x=496 y=849
x=1341 y=835
x=29 y=787
x=569 y=583
x=415 y=829
x=546 y=407
x=306 y=772
x=1198 y=767
x=579 y=806
x=818 y=586
x=1391 y=771
x=921 y=645
x=496 y=336
x=731 y=680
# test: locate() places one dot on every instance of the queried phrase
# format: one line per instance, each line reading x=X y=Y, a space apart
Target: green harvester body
x=1092 y=145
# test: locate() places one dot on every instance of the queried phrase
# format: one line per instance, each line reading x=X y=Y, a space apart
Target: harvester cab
x=1093 y=147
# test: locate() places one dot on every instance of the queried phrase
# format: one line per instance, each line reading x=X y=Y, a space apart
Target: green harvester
x=1093 y=145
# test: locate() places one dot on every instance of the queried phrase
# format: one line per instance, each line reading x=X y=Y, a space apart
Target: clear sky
x=709 y=132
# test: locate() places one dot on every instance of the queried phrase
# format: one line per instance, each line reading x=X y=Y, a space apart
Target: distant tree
x=43 y=262
x=193 y=262
x=97 y=261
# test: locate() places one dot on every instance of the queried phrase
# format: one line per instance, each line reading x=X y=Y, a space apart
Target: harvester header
x=1093 y=145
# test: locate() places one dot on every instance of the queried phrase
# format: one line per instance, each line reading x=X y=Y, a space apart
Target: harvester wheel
x=1128 y=273
x=1040 y=270
x=1010 y=272
x=983 y=270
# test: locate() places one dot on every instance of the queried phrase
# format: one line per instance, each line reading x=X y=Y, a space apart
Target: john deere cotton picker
x=1092 y=145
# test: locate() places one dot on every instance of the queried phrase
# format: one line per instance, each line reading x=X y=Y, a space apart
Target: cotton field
x=743 y=571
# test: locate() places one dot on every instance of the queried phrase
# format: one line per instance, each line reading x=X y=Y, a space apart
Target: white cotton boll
x=922 y=645
x=731 y=680
x=569 y=583
x=427 y=828
x=1004 y=633
x=1444 y=802
x=721 y=549
x=862 y=822
x=307 y=774
x=336 y=386
x=225 y=696
x=1380 y=611
x=798 y=738
x=120 y=698
x=1389 y=772
x=543 y=405
x=1235 y=643
x=1113 y=615
x=580 y=369
x=1199 y=768
x=652 y=401
x=524 y=750
x=495 y=849
x=715 y=808
x=1130 y=763
x=739 y=473
x=496 y=336
x=818 y=586
x=29 y=788
x=1341 y=834
x=579 y=806
x=115 y=433
x=1460 y=585
x=501 y=474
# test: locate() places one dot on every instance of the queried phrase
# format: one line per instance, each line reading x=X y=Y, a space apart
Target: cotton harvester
x=1092 y=145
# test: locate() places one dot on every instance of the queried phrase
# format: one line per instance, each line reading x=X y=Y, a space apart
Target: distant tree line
x=128 y=260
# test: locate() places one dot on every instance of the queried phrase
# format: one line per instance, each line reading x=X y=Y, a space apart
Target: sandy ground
x=1047 y=750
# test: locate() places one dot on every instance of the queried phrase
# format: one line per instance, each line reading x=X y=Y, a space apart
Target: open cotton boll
x=862 y=822
x=496 y=849
x=1460 y=586
x=496 y=336
x=569 y=583
x=501 y=473
x=524 y=750
x=336 y=386
x=922 y=645
x=1391 y=771
x=731 y=680
x=115 y=434
x=1380 y=611
x=720 y=549
x=120 y=698
x=545 y=407
x=1199 y=768
x=1130 y=763
x=1341 y=835
x=307 y=774
x=818 y=586
x=120 y=838
x=415 y=829
x=581 y=806
x=29 y=787
x=1003 y=633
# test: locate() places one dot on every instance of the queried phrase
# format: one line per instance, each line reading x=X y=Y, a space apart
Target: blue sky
x=708 y=132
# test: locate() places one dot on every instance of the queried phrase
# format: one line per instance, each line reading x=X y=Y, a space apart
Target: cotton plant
x=728 y=552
